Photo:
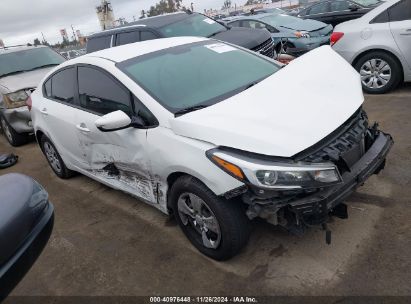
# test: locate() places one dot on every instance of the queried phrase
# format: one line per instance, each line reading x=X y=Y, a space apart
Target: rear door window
x=100 y=93
x=400 y=11
x=234 y=23
x=98 y=43
x=253 y=24
x=146 y=35
x=338 y=6
x=319 y=9
x=126 y=38
x=63 y=85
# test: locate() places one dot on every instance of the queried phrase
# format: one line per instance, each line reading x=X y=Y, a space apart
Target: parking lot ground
x=108 y=243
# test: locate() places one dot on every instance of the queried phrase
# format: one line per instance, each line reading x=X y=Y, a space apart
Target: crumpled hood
x=308 y=25
x=245 y=37
x=286 y=113
x=24 y=80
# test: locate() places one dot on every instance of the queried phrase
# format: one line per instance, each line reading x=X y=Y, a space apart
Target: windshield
x=195 y=74
x=194 y=25
x=27 y=60
x=367 y=2
x=280 y=20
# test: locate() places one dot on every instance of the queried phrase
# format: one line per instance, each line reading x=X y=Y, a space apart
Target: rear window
x=98 y=43
x=400 y=11
x=28 y=60
x=194 y=25
x=201 y=73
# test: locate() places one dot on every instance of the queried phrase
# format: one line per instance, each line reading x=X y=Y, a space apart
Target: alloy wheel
x=197 y=215
x=52 y=157
x=375 y=73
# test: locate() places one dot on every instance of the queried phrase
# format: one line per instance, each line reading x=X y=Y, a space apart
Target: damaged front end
x=355 y=150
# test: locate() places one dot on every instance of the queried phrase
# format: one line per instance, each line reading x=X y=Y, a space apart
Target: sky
x=21 y=21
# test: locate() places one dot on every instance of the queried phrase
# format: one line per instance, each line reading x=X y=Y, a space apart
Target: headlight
x=16 y=99
x=302 y=34
x=17 y=96
x=275 y=175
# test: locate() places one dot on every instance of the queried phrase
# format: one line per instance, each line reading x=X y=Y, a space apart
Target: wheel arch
x=388 y=52
x=171 y=179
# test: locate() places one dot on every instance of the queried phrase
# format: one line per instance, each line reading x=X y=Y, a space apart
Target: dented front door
x=118 y=158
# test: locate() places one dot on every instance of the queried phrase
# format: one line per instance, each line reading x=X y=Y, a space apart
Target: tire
x=388 y=72
x=229 y=219
x=54 y=159
x=15 y=139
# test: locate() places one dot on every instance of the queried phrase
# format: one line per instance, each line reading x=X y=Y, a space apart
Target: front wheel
x=15 y=139
x=216 y=227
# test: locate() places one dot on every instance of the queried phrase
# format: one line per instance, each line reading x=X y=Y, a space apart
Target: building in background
x=105 y=15
x=1 y=44
x=63 y=34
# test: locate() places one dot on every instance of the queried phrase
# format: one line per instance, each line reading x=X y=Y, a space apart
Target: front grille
x=349 y=136
x=266 y=48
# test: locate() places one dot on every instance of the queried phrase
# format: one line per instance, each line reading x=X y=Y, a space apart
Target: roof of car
x=128 y=51
x=257 y=16
x=12 y=49
x=150 y=22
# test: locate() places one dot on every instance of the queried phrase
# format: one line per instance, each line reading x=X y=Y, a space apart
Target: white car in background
x=216 y=134
x=378 y=45
x=21 y=69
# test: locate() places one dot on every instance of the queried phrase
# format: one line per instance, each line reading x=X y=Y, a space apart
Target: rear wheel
x=54 y=159
x=15 y=139
x=380 y=72
x=216 y=227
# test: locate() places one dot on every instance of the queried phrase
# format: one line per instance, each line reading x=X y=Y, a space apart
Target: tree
x=36 y=42
x=251 y=2
x=164 y=7
x=227 y=4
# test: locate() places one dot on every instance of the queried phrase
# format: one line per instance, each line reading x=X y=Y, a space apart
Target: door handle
x=82 y=127
x=406 y=32
x=44 y=111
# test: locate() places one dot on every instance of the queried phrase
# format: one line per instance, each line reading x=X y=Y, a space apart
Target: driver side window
x=253 y=24
x=100 y=93
x=319 y=9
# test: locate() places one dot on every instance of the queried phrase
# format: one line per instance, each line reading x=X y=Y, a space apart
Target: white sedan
x=212 y=133
x=378 y=45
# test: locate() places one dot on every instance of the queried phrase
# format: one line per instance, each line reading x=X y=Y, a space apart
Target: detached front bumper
x=371 y=162
x=295 y=212
x=19 y=119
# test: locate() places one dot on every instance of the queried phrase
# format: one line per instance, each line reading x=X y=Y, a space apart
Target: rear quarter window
x=400 y=11
x=98 y=43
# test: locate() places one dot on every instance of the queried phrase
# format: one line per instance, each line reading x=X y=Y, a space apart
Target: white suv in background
x=378 y=45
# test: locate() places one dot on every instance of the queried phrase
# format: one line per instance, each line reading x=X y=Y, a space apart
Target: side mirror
x=113 y=121
x=353 y=7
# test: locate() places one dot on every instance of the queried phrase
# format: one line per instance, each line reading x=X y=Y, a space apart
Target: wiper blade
x=11 y=73
x=189 y=109
x=35 y=68
x=250 y=85
x=213 y=34
x=42 y=66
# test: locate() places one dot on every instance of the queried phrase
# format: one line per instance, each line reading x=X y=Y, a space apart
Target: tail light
x=335 y=36
x=29 y=103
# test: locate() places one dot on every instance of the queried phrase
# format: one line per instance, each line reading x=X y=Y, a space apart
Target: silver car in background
x=378 y=45
x=21 y=69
